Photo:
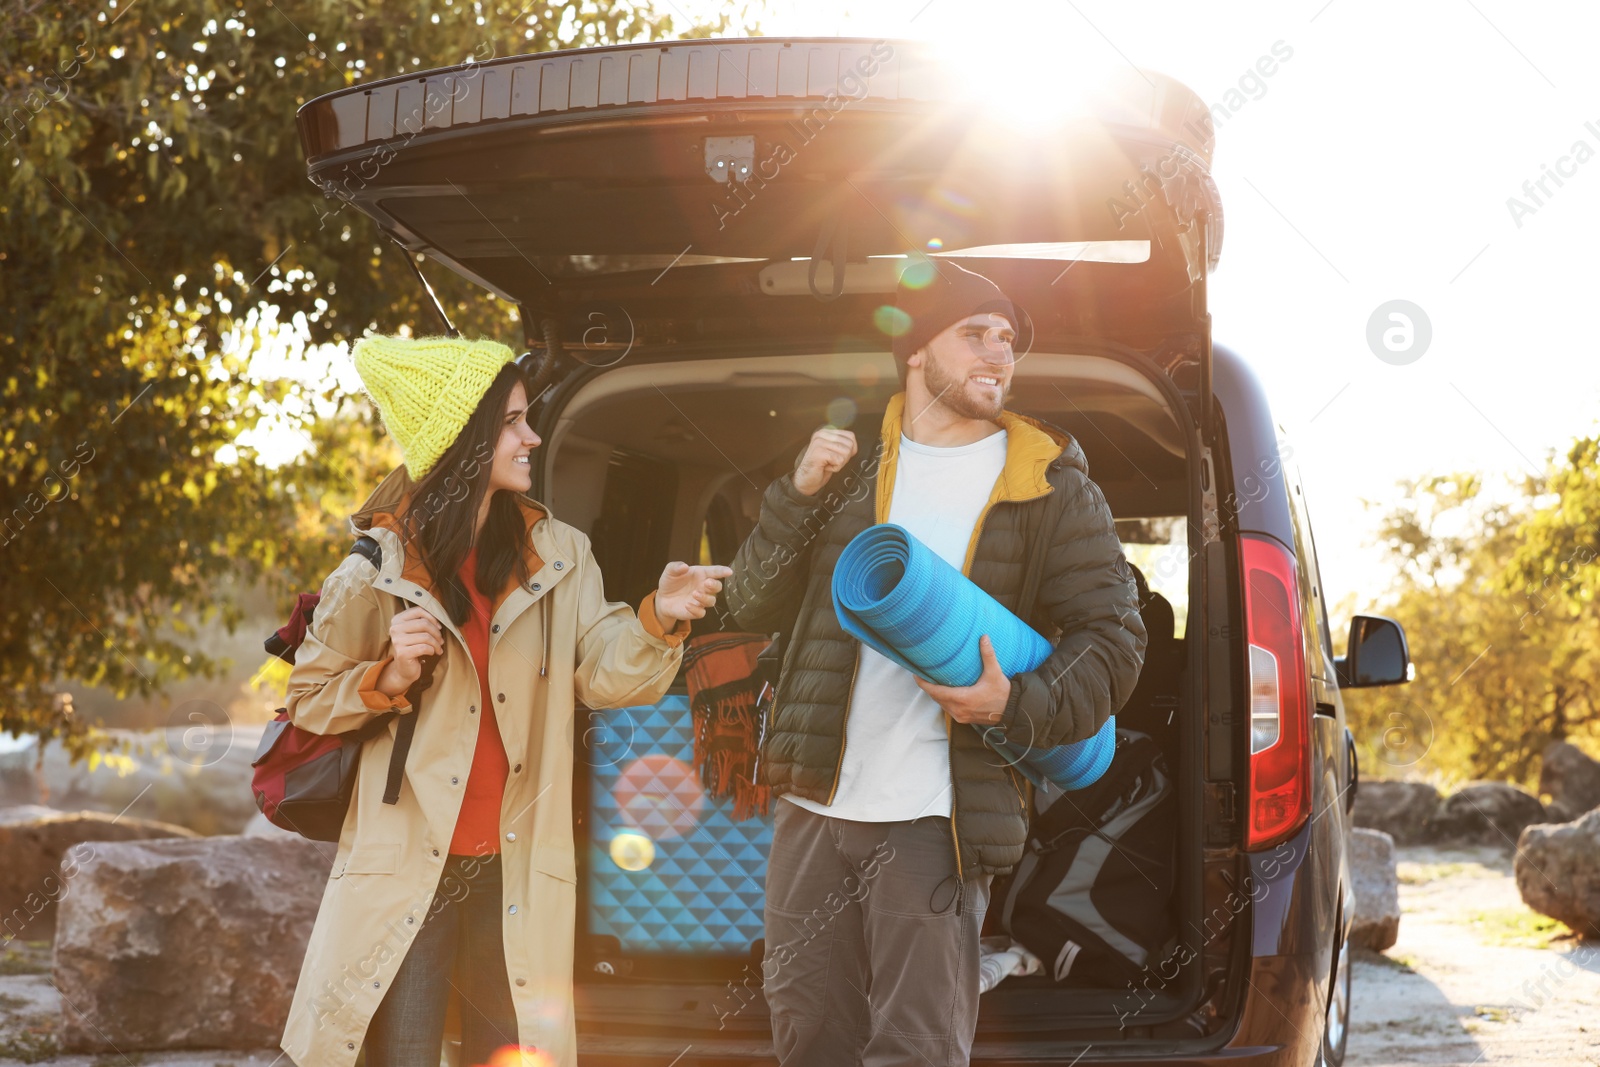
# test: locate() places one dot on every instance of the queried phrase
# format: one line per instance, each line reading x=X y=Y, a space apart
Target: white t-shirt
x=896 y=756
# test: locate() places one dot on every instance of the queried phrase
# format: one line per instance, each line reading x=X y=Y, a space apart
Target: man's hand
x=828 y=451
x=686 y=592
x=983 y=702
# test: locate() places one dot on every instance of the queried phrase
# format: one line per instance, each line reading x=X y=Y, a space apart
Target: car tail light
x=1280 y=750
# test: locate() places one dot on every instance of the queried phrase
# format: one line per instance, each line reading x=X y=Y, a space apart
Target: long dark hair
x=444 y=505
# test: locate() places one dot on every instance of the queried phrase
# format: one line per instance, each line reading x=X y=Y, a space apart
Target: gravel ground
x=1476 y=977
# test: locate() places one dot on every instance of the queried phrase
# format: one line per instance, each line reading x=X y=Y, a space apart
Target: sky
x=1377 y=163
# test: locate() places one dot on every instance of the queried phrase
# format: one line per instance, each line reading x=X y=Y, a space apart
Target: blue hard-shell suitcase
x=669 y=870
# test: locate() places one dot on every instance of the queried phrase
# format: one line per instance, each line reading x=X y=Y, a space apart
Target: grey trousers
x=871 y=943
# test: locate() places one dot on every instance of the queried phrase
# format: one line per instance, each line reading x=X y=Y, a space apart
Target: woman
x=469 y=880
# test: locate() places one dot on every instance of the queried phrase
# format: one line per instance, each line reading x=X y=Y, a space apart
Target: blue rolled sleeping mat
x=901 y=599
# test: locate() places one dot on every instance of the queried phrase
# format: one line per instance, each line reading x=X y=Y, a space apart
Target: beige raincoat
x=390 y=857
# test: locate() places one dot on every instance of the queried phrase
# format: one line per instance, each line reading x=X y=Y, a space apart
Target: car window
x=1319 y=645
x=720 y=533
x=630 y=536
x=1159 y=547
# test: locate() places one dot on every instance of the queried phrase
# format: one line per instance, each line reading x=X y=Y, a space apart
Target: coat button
x=411 y=918
x=558 y=564
x=512 y=909
x=511 y=835
x=418 y=593
x=349 y=1044
x=535 y=587
x=522 y=981
x=435 y=852
x=473 y=710
x=388 y=581
x=453 y=780
x=501 y=697
x=495 y=628
x=517 y=769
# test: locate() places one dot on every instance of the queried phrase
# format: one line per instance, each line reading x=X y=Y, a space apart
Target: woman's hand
x=414 y=635
x=686 y=592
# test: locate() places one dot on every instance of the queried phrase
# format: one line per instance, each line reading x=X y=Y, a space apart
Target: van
x=701 y=237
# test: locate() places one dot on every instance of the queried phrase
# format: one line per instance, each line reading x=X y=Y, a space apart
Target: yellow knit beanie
x=427 y=388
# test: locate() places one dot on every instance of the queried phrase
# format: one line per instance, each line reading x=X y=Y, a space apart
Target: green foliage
x=24 y=957
x=1518 y=927
x=154 y=213
x=1560 y=544
x=1498 y=599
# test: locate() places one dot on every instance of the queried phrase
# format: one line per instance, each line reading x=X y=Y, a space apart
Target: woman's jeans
x=458 y=945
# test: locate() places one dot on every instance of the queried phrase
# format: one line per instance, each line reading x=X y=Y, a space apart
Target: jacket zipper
x=949 y=729
x=544 y=664
x=844 y=727
x=1021 y=799
x=955 y=839
x=766 y=729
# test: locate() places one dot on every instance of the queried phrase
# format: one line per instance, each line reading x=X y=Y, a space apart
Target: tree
x=154 y=207
x=1498 y=600
x=1555 y=570
x=1560 y=543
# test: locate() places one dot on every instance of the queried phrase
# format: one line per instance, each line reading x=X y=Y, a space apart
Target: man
x=895 y=813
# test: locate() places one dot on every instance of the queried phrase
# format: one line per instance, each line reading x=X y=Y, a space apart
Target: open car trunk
x=667 y=460
x=700 y=236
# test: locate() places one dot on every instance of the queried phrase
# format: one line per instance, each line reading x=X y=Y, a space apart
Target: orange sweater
x=477 y=830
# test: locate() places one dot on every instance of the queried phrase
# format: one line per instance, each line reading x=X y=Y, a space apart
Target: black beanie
x=953 y=294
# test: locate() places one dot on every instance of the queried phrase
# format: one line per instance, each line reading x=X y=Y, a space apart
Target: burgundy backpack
x=303 y=781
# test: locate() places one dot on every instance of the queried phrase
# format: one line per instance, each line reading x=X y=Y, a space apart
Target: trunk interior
x=667 y=459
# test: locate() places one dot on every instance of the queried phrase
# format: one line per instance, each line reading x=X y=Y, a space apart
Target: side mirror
x=1378 y=654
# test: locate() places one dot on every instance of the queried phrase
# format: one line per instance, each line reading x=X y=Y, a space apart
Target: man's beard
x=952 y=392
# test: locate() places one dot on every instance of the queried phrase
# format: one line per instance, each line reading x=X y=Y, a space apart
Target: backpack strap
x=285 y=640
x=368 y=547
x=405 y=729
x=406 y=726
x=397 y=758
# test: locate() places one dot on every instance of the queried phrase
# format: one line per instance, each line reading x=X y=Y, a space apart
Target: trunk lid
x=696 y=184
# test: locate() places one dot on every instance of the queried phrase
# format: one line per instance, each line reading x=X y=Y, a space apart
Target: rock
x=209 y=792
x=1487 y=813
x=16 y=813
x=1377 y=919
x=44 y=852
x=1403 y=810
x=1558 y=871
x=1571 y=780
x=193 y=943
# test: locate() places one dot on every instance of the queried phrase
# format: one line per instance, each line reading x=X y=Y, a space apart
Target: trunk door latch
x=730 y=158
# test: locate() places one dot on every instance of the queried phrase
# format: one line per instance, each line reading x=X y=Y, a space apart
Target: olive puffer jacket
x=783 y=573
